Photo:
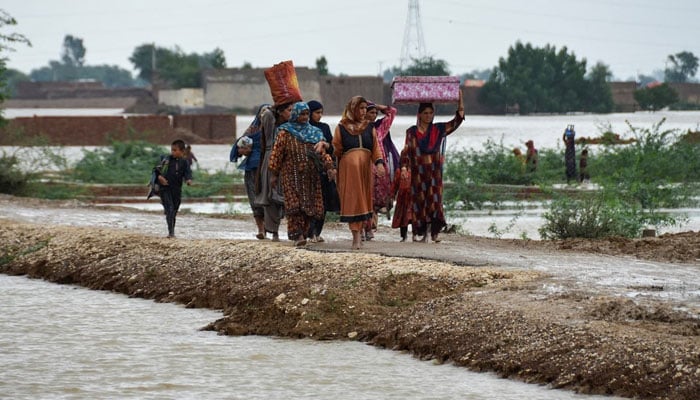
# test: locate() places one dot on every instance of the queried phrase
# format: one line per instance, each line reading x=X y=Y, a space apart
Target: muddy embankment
x=484 y=319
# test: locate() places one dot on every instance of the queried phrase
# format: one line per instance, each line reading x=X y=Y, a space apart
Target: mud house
x=81 y=94
x=244 y=89
x=623 y=96
x=687 y=92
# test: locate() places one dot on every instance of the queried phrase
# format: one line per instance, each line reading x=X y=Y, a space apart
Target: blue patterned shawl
x=305 y=132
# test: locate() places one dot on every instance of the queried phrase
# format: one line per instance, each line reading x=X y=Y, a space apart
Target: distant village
x=208 y=114
x=242 y=90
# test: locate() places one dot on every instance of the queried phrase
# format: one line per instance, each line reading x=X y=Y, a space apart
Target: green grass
x=659 y=170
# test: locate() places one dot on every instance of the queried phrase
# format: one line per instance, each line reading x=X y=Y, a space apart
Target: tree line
x=528 y=80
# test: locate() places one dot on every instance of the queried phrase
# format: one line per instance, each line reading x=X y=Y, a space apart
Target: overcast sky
x=359 y=37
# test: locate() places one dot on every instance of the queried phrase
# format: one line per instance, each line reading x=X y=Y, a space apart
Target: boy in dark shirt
x=171 y=172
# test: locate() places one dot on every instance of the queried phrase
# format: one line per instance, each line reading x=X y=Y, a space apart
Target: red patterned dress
x=301 y=181
x=424 y=156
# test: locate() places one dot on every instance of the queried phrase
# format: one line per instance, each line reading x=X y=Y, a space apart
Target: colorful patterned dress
x=301 y=182
x=424 y=157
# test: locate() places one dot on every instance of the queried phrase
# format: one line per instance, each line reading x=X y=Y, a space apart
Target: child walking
x=172 y=170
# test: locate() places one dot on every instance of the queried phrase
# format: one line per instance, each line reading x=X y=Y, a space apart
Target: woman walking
x=296 y=161
x=269 y=194
x=248 y=146
x=424 y=158
x=357 y=149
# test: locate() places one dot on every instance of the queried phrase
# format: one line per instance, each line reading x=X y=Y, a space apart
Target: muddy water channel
x=60 y=341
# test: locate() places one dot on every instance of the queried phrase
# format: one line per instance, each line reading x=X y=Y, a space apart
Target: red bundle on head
x=284 y=86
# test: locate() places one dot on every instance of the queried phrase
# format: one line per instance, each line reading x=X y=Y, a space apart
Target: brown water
x=67 y=342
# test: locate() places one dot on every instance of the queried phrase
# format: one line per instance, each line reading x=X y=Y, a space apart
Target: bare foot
x=356 y=240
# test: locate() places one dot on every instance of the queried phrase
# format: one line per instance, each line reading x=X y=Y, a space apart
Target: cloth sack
x=284 y=86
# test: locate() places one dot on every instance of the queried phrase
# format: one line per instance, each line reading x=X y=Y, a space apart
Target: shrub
x=12 y=179
x=468 y=171
x=598 y=216
x=206 y=184
x=588 y=218
x=121 y=162
x=24 y=164
x=653 y=171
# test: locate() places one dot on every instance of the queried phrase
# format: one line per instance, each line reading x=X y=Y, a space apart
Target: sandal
x=319 y=239
x=300 y=242
x=260 y=236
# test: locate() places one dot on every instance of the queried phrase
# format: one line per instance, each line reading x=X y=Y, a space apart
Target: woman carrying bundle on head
x=248 y=146
x=423 y=159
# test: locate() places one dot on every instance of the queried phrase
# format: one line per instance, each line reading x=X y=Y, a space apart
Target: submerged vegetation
x=635 y=182
x=632 y=185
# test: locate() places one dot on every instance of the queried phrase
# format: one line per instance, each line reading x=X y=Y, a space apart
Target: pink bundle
x=425 y=89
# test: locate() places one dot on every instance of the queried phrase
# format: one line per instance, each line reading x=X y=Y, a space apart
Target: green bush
x=468 y=171
x=22 y=167
x=206 y=184
x=121 y=162
x=657 y=171
x=598 y=216
x=12 y=179
x=653 y=171
x=588 y=218
x=637 y=180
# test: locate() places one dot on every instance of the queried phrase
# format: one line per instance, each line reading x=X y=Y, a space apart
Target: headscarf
x=303 y=131
x=314 y=105
x=351 y=119
x=371 y=105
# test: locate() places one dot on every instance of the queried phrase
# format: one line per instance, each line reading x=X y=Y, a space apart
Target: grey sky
x=360 y=37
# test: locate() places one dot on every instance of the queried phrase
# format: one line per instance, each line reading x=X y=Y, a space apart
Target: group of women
x=303 y=171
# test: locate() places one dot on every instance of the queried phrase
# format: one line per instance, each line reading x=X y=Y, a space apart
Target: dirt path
x=613 y=317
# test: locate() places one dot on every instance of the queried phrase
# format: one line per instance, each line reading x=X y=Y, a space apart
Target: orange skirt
x=355 y=186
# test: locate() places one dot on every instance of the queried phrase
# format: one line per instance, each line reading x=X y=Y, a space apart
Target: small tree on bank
x=655 y=98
